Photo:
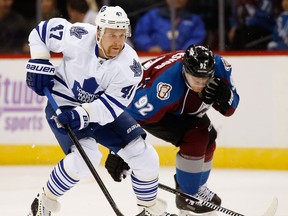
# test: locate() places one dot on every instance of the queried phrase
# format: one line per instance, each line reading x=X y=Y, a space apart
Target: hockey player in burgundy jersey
x=171 y=103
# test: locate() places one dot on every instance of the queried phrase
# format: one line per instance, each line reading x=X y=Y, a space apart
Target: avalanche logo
x=163 y=91
x=136 y=68
x=86 y=94
x=78 y=31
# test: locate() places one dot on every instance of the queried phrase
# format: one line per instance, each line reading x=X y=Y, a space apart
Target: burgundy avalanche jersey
x=163 y=89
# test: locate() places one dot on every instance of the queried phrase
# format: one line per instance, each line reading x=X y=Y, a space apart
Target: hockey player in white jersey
x=94 y=83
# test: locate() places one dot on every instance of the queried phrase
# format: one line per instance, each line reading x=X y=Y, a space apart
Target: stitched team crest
x=86 y=93
x=163 y=90
x=78 y=31
x=136 y=68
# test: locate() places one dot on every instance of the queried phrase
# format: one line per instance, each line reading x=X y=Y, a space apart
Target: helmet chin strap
x=186 y=82
x=99 y=43
x=195 y=88
x=105 y=55
x=100 y=46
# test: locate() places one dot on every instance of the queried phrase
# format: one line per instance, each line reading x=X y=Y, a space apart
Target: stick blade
x=141 y=213
x=272 y=208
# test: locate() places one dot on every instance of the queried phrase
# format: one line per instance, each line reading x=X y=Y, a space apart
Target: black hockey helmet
x=199 y=61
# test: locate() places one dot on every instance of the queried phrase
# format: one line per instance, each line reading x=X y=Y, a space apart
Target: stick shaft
x=76 y=142
x=207 y=204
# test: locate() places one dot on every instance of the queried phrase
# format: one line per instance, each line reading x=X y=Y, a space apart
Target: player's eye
x=114 y=36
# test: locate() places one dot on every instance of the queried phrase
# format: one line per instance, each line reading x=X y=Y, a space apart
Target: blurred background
x=224 y=25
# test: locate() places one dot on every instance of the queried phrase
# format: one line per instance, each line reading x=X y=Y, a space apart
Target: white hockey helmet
x=112 y=17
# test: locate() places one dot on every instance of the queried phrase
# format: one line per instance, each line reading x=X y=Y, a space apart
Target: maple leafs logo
x=86 y=93
x=136 y=68
x=78 y=31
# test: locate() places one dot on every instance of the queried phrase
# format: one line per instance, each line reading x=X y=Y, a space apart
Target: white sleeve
x=48 y=36
x=117 y=96
x=112 y=102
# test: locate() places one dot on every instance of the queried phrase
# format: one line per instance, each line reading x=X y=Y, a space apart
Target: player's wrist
x=83 y=117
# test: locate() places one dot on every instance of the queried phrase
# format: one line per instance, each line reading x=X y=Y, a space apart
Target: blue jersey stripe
x=117 y=103
x=61 y=81
x=64 y=96
x=108 y=107
x=44 y=31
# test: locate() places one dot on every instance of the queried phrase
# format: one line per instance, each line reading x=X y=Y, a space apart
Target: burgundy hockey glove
x=116 y=167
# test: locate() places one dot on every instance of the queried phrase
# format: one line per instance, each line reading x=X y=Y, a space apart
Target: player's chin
x=114 y=52
x=197 y=88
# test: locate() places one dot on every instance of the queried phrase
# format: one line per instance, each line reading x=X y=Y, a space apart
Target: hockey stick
x=269 y=212
x=76 y=142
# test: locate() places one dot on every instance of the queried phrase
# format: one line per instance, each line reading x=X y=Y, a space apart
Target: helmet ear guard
x=199 y=61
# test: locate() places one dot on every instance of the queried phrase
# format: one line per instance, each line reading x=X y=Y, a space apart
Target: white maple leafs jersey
x=103 y=87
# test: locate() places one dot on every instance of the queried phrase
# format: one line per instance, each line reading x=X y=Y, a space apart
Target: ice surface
x=248 y=192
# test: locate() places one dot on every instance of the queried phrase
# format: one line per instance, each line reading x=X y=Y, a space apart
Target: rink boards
x=242 y=158
x=254 y=137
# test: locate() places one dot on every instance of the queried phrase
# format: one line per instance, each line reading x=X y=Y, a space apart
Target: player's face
x=197 y=84
x=113 y=41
